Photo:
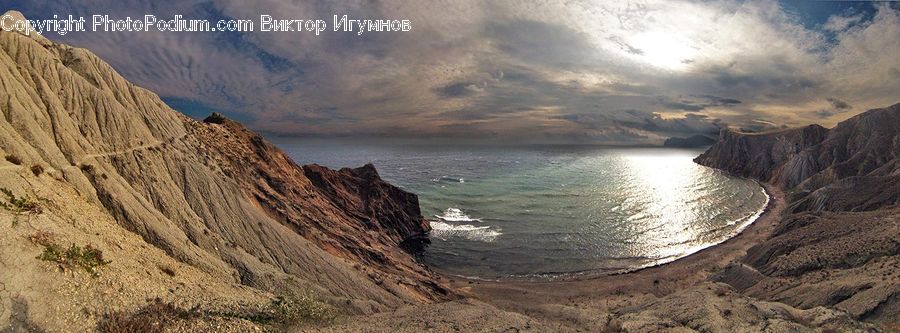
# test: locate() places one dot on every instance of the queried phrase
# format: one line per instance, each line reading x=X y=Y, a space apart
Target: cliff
x=838 y=245
x=212 y=197
x=852 y=167
x=692 y=141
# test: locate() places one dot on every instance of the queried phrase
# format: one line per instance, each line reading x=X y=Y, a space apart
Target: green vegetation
x=25 y=205
x=88 y=258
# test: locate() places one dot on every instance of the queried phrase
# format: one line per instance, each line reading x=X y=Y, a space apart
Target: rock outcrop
x=209 y=216
x=852 y=167
x=840 y=246
x=692 y=141
x=761 y=155
x=211 y=195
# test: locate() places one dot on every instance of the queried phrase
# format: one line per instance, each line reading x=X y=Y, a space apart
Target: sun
x=662 y=49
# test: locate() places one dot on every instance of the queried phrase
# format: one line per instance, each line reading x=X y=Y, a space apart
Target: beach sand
x=583 y=301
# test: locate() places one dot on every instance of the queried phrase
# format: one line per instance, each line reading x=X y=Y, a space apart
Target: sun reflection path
x=666 y=182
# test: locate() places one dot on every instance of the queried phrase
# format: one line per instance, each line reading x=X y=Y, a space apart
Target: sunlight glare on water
x=538 y=212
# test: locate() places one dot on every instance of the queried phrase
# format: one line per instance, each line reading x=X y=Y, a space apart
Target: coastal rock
x=763 y=155
x=839 y=246
x=693 y=141
x=211 y=195
x=848 y=168
x=716 y=307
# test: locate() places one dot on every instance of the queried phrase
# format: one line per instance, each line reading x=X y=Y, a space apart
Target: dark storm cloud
x=542 y=43
x=460 y=89
x=552 y=70
x=648 y=122
x=719 y=101
x=697 y=102
x=682 y=106
x=837 y=107
x=839 y=104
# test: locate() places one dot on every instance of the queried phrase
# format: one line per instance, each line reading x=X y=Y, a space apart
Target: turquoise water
x=539 y=212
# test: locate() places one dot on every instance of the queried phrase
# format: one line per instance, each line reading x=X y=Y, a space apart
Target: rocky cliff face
x=839 y=246
x=693 y=141
x=852 y=167
x=212 y=195
x=760 y=155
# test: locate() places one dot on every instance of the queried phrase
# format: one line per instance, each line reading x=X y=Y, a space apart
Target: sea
x=544 y=212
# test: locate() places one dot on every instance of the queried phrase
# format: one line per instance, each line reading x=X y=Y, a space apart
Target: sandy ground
x=580 y=302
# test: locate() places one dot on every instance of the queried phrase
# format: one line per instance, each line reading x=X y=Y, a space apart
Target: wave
x=445 y=230
x=449 y=179
x=456 y=215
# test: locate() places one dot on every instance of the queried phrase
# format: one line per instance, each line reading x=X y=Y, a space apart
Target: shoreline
x=593 y=274
x=612 y=291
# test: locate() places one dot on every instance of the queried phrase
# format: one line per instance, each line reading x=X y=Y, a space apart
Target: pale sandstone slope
x=239 y=223
x=840 y=246
x=192 y=190
x=41 y=296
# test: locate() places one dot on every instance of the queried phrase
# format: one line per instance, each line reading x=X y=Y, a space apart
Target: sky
x=543 y=71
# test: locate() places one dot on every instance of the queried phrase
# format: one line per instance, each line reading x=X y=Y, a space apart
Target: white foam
x=448 y=179
x=445 y=230
x=456 y=215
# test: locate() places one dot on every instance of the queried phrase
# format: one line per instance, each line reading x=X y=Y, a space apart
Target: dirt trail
x=133 y=149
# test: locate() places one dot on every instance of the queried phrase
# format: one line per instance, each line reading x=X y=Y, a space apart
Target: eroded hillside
x=211 y=197
x=839 y=244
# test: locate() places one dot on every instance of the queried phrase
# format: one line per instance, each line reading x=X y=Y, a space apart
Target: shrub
x=14 y=159
x=41 y=237
x=302 y=309
x=154 y=317
x=26 y=205
x=86 y=167
x=37 y=169
x=88 y=258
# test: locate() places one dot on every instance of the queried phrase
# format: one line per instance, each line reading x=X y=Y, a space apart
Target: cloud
x=839 y=104
x=837 y=107
x=567 y=71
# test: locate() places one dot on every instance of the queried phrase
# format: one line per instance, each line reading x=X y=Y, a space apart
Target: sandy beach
x=580 y=302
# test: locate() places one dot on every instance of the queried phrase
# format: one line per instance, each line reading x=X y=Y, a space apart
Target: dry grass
x=154 y=317
x=302 y=310
x=279 y=315
x=41 y=237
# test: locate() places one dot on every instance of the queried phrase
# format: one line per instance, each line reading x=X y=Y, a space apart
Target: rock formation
x=212 y=195
x=692 y=141
x=839 y=246
x=137 y=218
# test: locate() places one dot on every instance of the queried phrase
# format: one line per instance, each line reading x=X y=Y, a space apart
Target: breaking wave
x=445 y=230
x=456 y=215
